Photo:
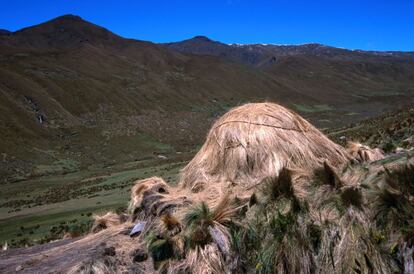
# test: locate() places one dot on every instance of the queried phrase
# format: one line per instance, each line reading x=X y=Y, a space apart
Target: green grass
x=95 y=190
x=381 y=93
x=59 y=166
x=147 y=141
x=41 y=224
x=311 y=108
x=351 y=113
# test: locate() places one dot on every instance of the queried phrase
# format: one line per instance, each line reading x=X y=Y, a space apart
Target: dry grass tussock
x=109 y=219
x=153 y=185
x=267 y=193
x=255 y=141
x=202 y=260
x=364 y=153
x=96 y=267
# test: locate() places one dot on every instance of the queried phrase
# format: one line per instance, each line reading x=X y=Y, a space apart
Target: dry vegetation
x=255 y=141
x=267 y=193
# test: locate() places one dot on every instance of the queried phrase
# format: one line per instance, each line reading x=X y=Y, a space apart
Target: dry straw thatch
x=255 y=141
x=364 y=153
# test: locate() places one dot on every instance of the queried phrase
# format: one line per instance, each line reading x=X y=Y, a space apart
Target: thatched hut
x=255 y=141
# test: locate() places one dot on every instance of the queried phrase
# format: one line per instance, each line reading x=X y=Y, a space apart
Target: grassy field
x=311 y=108
x=43 y=208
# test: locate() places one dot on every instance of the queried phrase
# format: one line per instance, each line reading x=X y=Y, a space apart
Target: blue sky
x=369 y=25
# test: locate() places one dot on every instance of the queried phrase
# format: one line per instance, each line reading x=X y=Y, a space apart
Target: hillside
x=390 y=131
x=71 y=88
x=316 y=71
x=75 y=95
x=266 y=193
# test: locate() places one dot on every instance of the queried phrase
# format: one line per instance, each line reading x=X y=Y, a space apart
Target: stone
x=220 y=239
x=137 y=229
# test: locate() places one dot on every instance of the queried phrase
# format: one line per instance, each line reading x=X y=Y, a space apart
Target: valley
x=75 y=92
x=84 y=112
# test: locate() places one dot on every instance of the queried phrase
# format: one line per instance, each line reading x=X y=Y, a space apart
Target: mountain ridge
x=256 y=53
x=73 y=90
x=62 y=21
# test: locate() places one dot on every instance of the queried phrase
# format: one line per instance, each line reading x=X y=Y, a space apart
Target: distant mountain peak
x=68 y=17
x=64 y=31
x=4 y=32
x=260 y=55
x=202 y=38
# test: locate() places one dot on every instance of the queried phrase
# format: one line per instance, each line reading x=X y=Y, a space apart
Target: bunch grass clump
x=256 y=141
x=267 y=193
x=110 y=219
x=200 y=217
x=159 y=248
x=360 y=226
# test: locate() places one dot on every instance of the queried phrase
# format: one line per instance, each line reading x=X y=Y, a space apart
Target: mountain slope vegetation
x=74 y=91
